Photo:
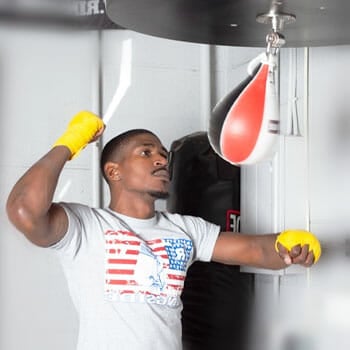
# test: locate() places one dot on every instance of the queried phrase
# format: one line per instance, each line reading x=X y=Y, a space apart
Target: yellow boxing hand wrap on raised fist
x=80 y=131
x=291 y=238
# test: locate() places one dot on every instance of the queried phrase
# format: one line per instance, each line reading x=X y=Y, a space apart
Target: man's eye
x=146 y=153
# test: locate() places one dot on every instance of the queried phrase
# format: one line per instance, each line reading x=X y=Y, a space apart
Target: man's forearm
x=248 y=249
x=270 y=259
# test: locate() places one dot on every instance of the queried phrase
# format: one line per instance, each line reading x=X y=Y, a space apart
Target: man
x=126 y=264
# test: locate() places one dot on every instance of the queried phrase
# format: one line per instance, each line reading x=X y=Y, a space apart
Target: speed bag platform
x=216 y=298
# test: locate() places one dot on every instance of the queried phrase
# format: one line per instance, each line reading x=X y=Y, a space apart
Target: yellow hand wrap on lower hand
x=80 y=131
x=291 y=238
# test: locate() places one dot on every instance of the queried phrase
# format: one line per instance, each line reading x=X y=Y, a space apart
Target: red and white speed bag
x=244 y=125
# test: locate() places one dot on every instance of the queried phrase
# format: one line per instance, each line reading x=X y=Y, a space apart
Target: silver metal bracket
x=275 y=40
x=276 y=19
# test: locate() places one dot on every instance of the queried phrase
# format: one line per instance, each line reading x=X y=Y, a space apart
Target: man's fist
x=294 y=240
x=83 y=128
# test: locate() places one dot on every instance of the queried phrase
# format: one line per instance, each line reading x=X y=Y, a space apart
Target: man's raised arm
x=29 y=205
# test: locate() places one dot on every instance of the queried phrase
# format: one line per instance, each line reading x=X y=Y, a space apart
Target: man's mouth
x=162 y=172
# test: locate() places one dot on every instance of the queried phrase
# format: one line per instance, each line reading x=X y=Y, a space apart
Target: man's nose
x=161 y=161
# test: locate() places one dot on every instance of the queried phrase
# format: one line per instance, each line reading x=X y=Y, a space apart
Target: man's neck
x=136 y=208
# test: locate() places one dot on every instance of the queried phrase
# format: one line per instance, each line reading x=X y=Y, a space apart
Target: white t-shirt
x=126 y=275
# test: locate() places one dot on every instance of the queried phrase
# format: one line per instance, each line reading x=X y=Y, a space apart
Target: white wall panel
x=46 y=77
x=330 y=134
x=313 y=187
x=163 y=95
x=42 y=75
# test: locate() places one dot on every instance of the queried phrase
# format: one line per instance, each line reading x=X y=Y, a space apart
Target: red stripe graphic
x=176 y=277
x=123 y=266
x=121 y=282
x=120 y=272
x=121 y=261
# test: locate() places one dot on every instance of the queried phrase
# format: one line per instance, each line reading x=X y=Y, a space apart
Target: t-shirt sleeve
x=203 y=234
x=71 y=242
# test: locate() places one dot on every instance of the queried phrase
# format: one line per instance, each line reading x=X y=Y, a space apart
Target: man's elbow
x=25 y=221
x=19 y=214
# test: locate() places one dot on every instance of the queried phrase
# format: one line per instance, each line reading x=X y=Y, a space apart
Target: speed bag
x=244 y=125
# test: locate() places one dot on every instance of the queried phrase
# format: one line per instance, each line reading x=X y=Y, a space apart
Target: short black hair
x=114 y=145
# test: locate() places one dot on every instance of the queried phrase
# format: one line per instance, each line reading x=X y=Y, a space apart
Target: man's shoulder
x=81 y=209
x=180 y=217
x=75 y=206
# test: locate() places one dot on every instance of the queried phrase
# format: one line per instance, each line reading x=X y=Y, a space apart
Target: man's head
x=136 y=161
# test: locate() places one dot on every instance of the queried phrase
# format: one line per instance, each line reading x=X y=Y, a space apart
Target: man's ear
x=112 y=171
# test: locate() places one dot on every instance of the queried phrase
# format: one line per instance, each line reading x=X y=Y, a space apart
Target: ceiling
x=77 y=14
x=233 y=22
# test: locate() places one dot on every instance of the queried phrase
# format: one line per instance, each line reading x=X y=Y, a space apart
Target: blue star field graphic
x=179 y=252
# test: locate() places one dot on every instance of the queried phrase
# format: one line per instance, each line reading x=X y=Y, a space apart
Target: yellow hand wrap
x=80 y=131
x=291 y=238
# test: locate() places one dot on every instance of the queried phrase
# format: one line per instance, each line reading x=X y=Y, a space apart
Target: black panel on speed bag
x=216 y=297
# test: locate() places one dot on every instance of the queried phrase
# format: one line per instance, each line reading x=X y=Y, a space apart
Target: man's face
x=144 y=166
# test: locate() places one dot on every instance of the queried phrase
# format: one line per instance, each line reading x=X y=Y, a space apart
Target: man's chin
x=159 y=194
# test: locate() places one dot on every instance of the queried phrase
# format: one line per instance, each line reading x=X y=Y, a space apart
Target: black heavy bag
x=216 y=297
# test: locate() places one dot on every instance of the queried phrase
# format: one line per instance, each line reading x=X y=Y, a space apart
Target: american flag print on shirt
x=145 y=271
